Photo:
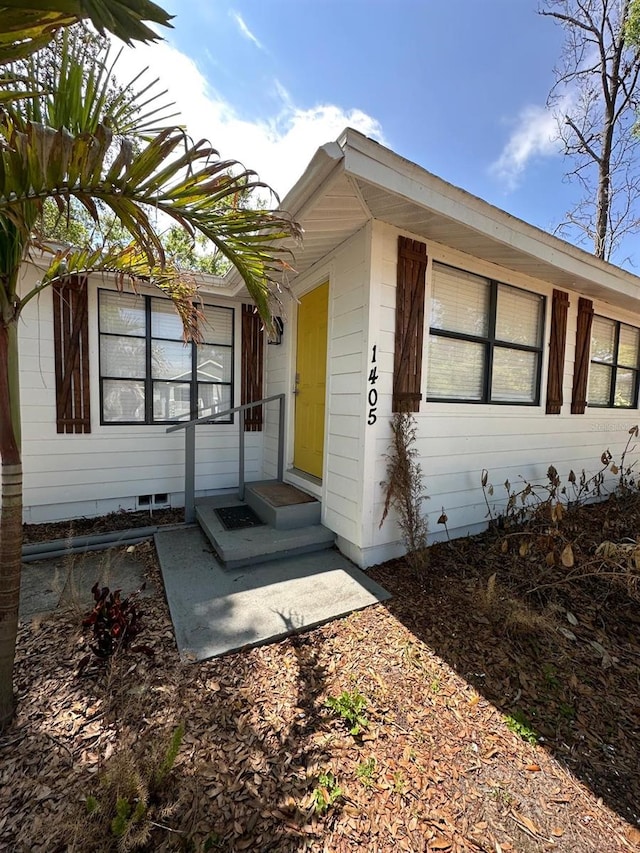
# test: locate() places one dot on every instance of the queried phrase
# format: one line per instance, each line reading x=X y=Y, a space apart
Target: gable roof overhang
x=355 y=179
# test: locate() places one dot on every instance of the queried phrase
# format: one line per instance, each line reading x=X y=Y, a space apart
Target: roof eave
x=302 y=195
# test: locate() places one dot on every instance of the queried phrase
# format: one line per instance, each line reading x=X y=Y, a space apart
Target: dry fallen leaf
x=567 y=633
x=633 y=835
x=567 y=557
x=440 y=843
x=526 y=823
x=259 y=735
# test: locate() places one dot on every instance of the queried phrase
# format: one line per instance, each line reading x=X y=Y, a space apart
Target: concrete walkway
x=67 y=581
x=216 y=610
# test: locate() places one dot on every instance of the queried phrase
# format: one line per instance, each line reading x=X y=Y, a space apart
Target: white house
x=514 y=350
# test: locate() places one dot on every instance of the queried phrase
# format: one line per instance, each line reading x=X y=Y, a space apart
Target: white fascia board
x=372 y=162
x=322 y=165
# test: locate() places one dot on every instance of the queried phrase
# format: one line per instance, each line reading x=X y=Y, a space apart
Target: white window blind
x=599 y=384
x=615 y=363
x=514 y=375
x=518 y=316
x=628 y=346
x=603 y=333
x=459 y=302
x=485 y=341
x=149 y=374
x=455 y=369
x=122 y=313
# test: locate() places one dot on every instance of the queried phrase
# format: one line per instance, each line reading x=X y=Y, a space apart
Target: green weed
x=399 y=783
x=350 y=707
x=365 y=771
x=501 y=795
x=518 y=724
x=550 y=675
x=326 y=793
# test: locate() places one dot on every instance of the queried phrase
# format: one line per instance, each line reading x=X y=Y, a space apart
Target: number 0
x=373 y=397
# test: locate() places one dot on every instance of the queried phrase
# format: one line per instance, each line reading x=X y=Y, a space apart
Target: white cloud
x=244 y=29
x=278 y=148
x=535 y=135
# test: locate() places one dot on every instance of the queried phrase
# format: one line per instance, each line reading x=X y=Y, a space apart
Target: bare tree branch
x=596 y=95
x=584 y=143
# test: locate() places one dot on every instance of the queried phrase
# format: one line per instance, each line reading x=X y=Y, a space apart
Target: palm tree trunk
x=10 y=515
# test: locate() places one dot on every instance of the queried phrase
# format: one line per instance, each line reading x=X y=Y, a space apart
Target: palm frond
x=186 y=182
x=129 y=267
x=73 y=85
x=28 y=25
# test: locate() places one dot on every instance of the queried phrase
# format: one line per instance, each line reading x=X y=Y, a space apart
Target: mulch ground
x=502 y=714
x=115 y=521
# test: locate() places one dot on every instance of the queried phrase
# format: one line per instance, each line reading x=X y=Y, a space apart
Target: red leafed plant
x=115 y=620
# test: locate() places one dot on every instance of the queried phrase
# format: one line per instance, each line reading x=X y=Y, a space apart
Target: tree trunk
x=10 y=515
x=611 y=83
x=603 y=203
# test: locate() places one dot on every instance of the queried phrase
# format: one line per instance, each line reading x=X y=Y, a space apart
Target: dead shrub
x=517 y=618
x=404 y=489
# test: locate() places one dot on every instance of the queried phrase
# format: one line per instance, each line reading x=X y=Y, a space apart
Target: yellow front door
x=311 y=370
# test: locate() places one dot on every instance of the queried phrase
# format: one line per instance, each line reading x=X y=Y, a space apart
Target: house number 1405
x=372 y=397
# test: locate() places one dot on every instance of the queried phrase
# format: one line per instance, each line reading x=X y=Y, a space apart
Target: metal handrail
x=205 y=419
x=190 y=449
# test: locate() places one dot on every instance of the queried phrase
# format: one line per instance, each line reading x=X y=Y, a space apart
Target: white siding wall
x=348 y=272
x=278 y=371
x=346 y=417
x=67 y=475
x=456 y=441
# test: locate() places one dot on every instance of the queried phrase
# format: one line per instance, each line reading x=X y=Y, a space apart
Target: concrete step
x=281 y=505
x=256 y=545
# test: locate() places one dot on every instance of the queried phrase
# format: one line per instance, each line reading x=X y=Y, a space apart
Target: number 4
x=373 y=374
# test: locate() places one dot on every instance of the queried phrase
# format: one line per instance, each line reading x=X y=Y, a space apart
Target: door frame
x=308 y=482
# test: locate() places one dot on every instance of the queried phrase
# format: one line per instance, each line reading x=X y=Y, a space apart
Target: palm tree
x=70 y=146
x=28 y=25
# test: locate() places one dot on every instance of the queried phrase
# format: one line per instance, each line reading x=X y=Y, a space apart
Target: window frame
x=149 y=380
x=614 y=366
x=491 y=343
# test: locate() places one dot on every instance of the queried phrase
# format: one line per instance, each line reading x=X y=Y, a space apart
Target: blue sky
x=458 y=87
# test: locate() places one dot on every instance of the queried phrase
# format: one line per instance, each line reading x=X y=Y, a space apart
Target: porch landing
x=216 y=610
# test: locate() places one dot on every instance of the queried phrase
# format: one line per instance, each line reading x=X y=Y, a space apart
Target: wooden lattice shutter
x=557 y=345
x=252 y=366
x=410 y=294
x=583 y=349
x=71 y=345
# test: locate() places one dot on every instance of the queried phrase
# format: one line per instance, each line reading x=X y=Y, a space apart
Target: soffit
x=328 y=218
x=405 y=195
x=349 y=183
x=333 y=218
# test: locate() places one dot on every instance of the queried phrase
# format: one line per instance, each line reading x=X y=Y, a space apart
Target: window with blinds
x=148 y=374
x=613 y=371
x=485 y=340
